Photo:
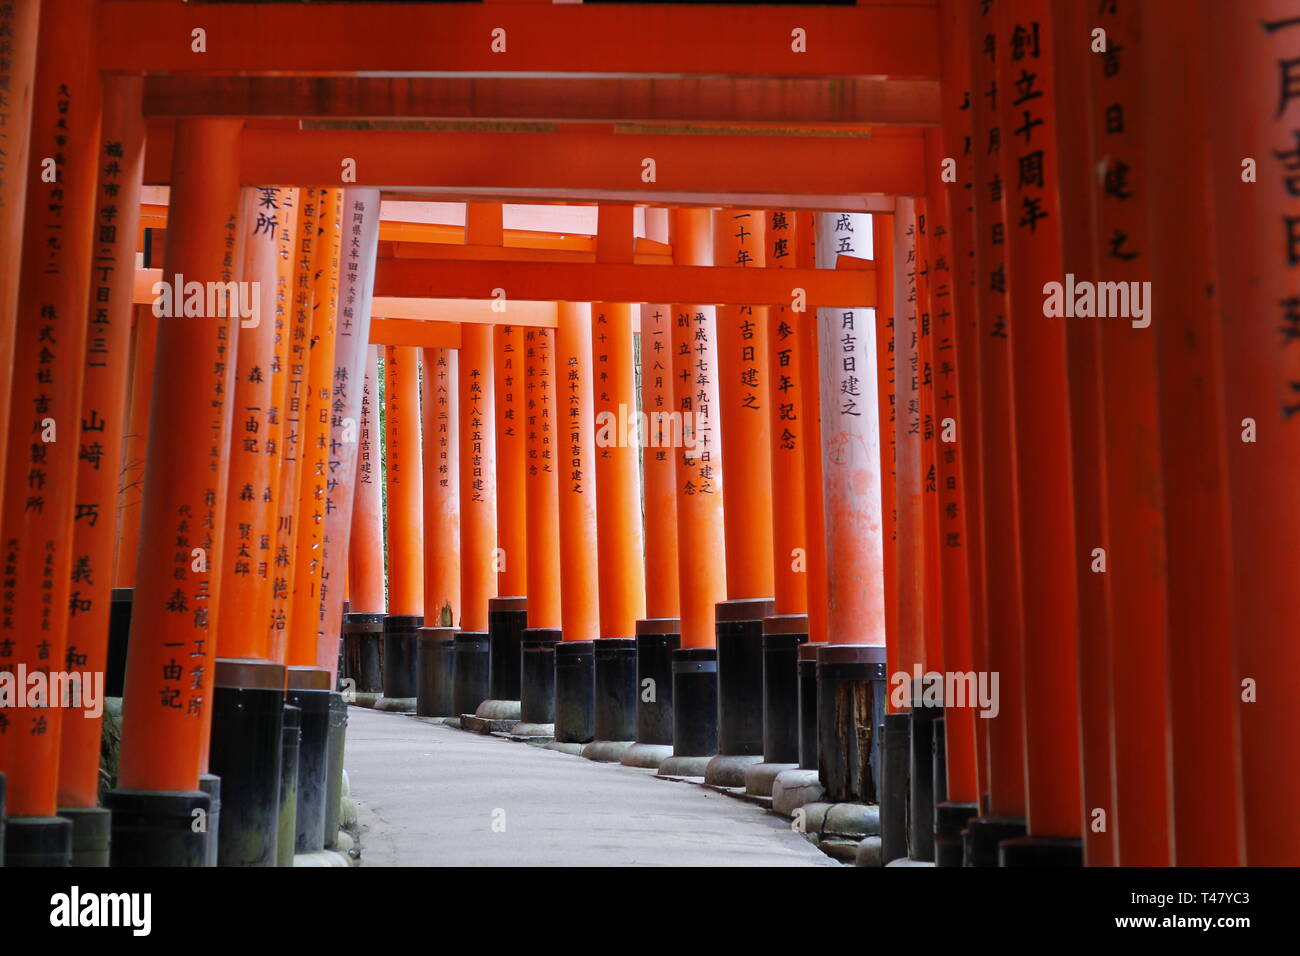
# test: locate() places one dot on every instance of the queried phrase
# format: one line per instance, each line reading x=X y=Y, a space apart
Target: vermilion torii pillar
x=738 y=242
x=851 y=667
x=579 y=582
x=701 y=536
x=1204 y=707
x=537 y=665
x=144 y=343
x=659 y=634
x=174 y=620
x=620 y=543
x=40 y=484
x=309 y=684
x=363 y=626
x=404 y=483
x=248 y=687
x=508 y=613
x=1003 y=625
x=478 y=515
x=103 y=421
x=441 y=452
x=787 y=628
x=18 y=24
x=1257 y=225
x=1049 y=550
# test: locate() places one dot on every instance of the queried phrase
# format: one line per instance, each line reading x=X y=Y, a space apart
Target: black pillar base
x=896 y=736
x=807 y=705
x=615 y=696
x=156 y=828
x=656 y=639
x=334 y=747
x=695 y=702
x=210 y=784
x=920 y=830
x=436 y=664
x=850 y=706
x=287 y=830
x=782 y=636
x=119 y=632
x=949 y=821
x=982 y=836
x=471 y=680
x=91 y=835
x=537 y=682
x=247 y=732
x=507 y=620
x=575 y=680
x=309 y=690
x=38 y=841
x=1041 y=851
x=740 y=675
x=363 y=651
x=399 y=656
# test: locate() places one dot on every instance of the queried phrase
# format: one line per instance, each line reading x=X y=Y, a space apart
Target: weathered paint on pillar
x=701 y=538
x=909 y=476
x=543 y=490
x=294 y=405
x=49 y=352
x=1135 y=533
x=366 y=550
x=786 y=424
x=313 y=444
x=659 y=463
x=579 y=590
x=620 y=544
x=738 y=242
x=814 y=501
x=19 y=24
x=144 y=343
x=1042 y=424
x=404 y=479
x=512 y=452
x=1204 y=706
x=248 y=562
x=174 y=619
x=478 y=483
x=882 y=254
x=1003 y=627
x=440 y=416
x=1252 y=93
x=103 y=421
x=359 y=248
x=846 y=340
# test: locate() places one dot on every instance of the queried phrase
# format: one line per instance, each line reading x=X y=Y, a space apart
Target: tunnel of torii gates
x=698 y=405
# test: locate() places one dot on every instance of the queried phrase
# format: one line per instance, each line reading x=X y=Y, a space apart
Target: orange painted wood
x=1256 y=291
x=174 y=619
x=1001 y=632
x=1048 y=544
x=49 y=353
x=19 y=26
x=887 y=378
x=366 y=593
x=932 y=582
x=701 y=536
x=305 y=623
x=542 y=489
x=144 y=342
x=659 y=463
x=404 y=480
x=1203 y=705
x=478 y=484
x=512 y=453
x=865 y=40
x=620 y=541
x=738 y=243
x=441 y=488
x=424 y=333
x=579 y=589
x=103 y=421
x=787 y=427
